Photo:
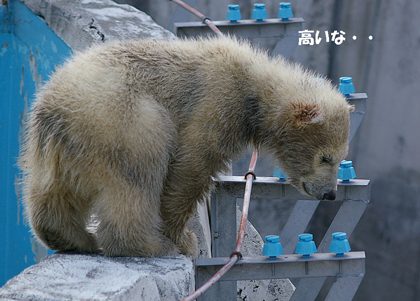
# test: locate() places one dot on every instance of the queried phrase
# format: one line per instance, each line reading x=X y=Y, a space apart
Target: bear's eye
x=326 y=159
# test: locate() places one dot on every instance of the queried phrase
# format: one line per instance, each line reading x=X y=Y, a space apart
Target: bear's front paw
x=187 y=244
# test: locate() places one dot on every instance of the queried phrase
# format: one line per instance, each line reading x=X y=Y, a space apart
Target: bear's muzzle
x=330 y=195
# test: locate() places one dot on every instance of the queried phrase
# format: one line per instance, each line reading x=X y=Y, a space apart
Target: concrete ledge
x=92 y=277
x=81 y=23
x=268 y=289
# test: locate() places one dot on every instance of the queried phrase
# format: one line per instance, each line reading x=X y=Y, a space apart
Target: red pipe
x=250 y=176
x=205 y=20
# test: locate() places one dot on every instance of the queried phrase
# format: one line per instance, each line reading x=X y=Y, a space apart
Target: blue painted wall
x=29 y=51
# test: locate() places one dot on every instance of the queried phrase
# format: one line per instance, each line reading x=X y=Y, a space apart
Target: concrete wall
x=28 y=52
x=386 y=148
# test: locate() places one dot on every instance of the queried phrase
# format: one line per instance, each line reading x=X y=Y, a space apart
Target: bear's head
x=312 y=141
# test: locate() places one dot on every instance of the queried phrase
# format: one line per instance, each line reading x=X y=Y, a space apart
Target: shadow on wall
x=390 y=232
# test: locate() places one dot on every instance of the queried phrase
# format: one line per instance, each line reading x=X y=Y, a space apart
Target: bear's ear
x=307 y=113
x=351 y=108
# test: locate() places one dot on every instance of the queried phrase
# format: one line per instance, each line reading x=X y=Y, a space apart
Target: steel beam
x=279 y=37
x=356 y=117
x=273 y=188
x=352 y=264
x=296 y=224
x=349 y=271
x=229 y=188
x=354 y=195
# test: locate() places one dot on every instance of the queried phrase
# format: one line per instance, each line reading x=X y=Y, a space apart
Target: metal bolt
x=259 y=13
x=346 y=171
x=306 y=245
x=279 y=173
x=272 y=247
x=233 y=13
x=339 y=245
x=346 y=86
x=285 y=12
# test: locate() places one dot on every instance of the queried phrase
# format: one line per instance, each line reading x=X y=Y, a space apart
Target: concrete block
x=93 y=277
x=83 y=23
x=275 y=289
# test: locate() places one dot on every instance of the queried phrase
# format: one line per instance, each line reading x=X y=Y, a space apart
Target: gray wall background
x=386 y=148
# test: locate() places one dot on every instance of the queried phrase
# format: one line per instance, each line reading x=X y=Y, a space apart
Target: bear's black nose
x=329 y=195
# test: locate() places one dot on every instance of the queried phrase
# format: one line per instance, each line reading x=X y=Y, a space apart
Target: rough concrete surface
x=94 y=277
x=85 y=22
x=90 y=277
x=267 y=290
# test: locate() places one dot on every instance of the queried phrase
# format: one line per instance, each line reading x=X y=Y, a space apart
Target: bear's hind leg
x=60 y=223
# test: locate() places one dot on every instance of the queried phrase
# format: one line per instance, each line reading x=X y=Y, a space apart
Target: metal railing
x=311 y=272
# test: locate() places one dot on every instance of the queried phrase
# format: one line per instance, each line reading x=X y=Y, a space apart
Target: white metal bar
x=356 y=117
x=344 y=288
x=345 y=220
x=273 y=188
x=229 y=188
x=308 y=289
x=296 y=224
x=352 y=264
x=355 y=194
x=275 y=35
x=269 y=28
x=286 y=46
